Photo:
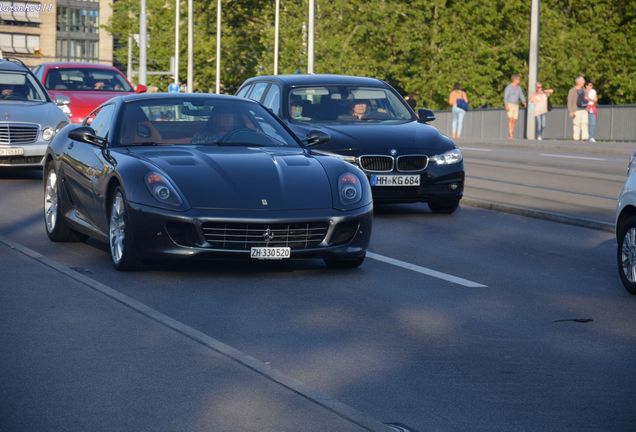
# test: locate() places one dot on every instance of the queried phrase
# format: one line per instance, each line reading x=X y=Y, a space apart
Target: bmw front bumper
x=437 y=183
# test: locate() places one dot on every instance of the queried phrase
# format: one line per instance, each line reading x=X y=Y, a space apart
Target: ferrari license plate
x=17 y=151
x=270 y=253
x=395 y=180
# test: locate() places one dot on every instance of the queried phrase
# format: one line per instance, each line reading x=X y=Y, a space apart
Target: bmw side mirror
x=141 y=88
x=425 y=115
x=316 y=137
x=87 y=135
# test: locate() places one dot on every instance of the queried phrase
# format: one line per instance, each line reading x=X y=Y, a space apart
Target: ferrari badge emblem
x=264 y=201
x=268 y=235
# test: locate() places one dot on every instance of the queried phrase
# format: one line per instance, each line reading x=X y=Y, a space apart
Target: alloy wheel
x=117 y=228
x=51 y=201
x=628 y=255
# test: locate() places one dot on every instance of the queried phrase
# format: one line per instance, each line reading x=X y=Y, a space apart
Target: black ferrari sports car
x=202 y=175
x=369 y=125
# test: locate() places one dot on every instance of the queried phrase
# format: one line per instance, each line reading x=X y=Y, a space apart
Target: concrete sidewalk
x=79 y=356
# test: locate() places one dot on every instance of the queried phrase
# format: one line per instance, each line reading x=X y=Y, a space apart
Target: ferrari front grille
x=243 y=236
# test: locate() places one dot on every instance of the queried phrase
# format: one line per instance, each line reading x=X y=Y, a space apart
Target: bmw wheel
x=121 y=243
x=626 y=254
x=444 y=207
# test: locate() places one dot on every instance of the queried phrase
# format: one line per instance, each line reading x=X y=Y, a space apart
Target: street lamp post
x=218 y=46
x=176 y=41
x=533 y=67
x=276 y=27
x=190 y=48
x=310 y=38
x=142 y=43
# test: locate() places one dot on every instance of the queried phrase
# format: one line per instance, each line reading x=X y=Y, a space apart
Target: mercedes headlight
x=450 y=157
x=48 y=134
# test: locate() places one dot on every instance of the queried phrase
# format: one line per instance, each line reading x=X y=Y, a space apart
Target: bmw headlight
x=162 y=190
x=450 y=157
x=349 y=188
x=48 y=134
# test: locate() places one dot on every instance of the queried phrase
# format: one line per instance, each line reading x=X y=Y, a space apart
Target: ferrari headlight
x=349 y=188
x=450 y=157
x=48 y=134
x=162 y=190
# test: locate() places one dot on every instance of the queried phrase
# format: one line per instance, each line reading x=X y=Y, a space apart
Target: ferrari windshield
x=86 y=79
x=347 y=104
x=201 y=121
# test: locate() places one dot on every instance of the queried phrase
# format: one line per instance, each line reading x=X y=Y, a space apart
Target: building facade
x=62 y=30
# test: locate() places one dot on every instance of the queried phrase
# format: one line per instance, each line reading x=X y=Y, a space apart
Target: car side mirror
x=61 y=100
x=87 y=135
x=141 y=88
x=425 y=115
x=316 y=137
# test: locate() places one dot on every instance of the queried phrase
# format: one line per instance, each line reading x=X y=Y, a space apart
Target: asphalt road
x=566 y=178
x=493 y=351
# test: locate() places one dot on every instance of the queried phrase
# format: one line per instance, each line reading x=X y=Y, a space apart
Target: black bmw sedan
x=201 y=175
x=370 y=125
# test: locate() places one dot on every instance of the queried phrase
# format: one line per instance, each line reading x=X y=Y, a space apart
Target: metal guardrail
x=615 y=123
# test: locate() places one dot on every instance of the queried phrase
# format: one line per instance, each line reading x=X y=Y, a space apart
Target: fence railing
x=615 y=123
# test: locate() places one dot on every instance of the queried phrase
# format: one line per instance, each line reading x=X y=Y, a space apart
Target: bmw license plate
x=270 y=253
x=16 y=151
x=395 y=180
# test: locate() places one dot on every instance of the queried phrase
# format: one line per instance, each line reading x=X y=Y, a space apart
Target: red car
x=79 y=88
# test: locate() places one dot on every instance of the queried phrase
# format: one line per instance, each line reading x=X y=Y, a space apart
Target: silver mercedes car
x=29 y=119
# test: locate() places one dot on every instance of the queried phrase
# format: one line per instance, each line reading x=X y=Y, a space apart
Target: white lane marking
x=475 y=149
x=424 y=270
x=571 y=157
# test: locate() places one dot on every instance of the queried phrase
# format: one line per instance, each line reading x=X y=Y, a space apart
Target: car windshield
x=86 y=79
x=350 y=104
x=201 y=121
x=17 y=86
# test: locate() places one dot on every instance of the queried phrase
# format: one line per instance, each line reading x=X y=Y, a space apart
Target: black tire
x=345 y=263
x=444 y=207
x=626 y=237
x=54 y=224
x=123 y=255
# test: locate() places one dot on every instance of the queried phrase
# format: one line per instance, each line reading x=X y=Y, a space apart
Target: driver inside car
x=220 y=125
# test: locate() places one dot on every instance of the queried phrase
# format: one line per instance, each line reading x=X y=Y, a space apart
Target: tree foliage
x=419 y=46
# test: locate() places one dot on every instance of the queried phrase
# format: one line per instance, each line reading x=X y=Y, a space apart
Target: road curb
x=615 y=148
x=325 y=401
x=540 y=214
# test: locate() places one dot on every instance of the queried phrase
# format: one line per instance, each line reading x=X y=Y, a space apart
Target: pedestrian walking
x=458 y=100
x=577 y=109
x=513 y=97
x=592 y=109
x=539 y=103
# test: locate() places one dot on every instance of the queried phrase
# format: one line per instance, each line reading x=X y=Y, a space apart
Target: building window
x=21 y=13
x=78 y=20
x=78 y=49
x=19 y=43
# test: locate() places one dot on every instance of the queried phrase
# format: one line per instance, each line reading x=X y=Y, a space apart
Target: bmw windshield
x=201 y=121
x=347 y=104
